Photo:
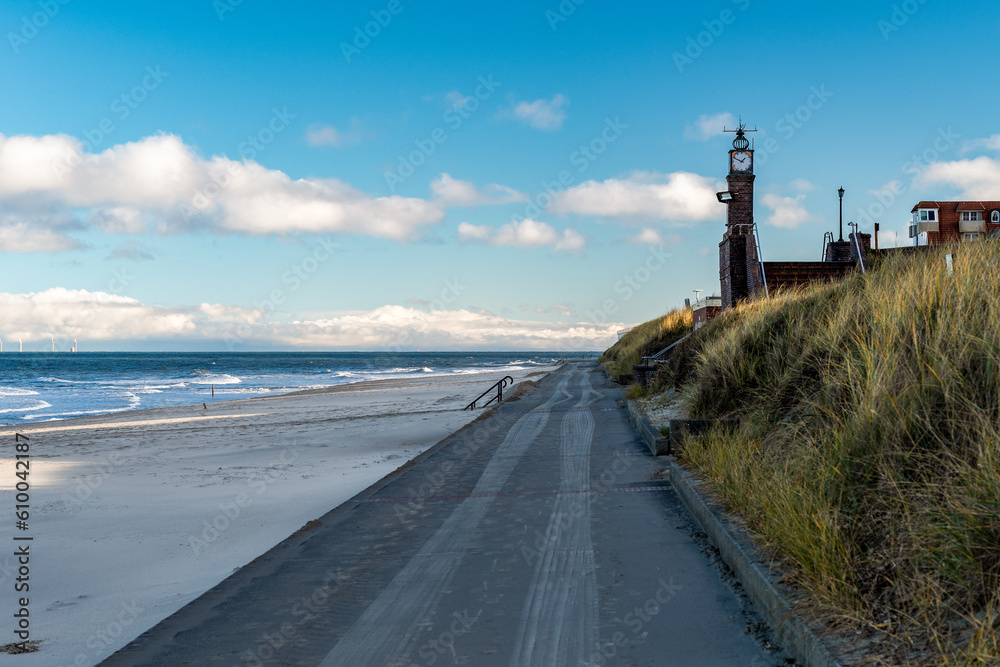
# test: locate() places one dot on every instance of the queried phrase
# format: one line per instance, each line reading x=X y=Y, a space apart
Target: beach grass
x=646 y=339
x=868 y=455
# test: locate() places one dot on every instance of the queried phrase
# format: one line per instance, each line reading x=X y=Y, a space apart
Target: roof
x=958 y=205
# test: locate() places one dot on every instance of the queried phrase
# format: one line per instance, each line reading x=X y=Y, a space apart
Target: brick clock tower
x=739 y=263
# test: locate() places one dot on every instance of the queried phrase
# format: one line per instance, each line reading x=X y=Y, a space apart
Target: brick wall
x=793 y=274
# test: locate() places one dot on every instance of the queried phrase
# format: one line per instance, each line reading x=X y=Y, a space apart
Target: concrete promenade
x=538 y=536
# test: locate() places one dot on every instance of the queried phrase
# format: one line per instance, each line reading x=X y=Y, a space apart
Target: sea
x=38 y=387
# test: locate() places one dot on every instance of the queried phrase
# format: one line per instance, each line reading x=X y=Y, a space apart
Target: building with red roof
x=941 y=222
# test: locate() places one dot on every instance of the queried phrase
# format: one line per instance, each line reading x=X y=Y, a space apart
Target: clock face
x=742 y=161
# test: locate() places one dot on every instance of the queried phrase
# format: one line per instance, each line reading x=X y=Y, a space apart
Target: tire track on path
x=392 y=622
x=560 y=622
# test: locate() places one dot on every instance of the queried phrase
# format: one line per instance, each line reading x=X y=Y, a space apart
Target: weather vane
x=741 y=143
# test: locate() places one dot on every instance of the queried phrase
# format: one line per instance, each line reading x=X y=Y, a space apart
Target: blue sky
x=249 y=175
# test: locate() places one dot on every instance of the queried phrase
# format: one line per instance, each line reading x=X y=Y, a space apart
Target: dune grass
x=647 y=339
x=868 y=454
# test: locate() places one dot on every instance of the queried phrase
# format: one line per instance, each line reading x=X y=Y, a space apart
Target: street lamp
x=841 y=192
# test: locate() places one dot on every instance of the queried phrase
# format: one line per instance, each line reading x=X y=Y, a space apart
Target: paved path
x=539 y=536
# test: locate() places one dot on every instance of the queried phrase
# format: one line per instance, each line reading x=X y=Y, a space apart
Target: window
x=970 y=216
x=971 y=236
x=928 y=216
x=995 y=218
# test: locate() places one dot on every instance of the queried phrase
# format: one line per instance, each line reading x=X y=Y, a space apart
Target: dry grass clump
x=647 y=339
x=869 y=451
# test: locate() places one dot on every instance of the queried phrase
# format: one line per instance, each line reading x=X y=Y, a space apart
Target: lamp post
x=841 y=193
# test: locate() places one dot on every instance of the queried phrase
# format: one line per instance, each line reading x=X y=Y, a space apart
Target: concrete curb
x=743 y=559
x=657 y=444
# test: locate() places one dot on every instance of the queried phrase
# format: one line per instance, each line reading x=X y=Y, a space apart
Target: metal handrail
x=498 y=398
x=760 y=258
x=827 y=240
x=656 y=358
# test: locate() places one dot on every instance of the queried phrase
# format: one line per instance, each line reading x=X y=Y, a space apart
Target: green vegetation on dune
x=645 y=340
x=868 y=455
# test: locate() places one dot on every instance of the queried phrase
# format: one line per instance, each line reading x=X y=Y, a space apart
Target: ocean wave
x=244 y=390
x=59 y=380
x=55 y=416
x=11 y=391
x=41 y=405
x=207 y=377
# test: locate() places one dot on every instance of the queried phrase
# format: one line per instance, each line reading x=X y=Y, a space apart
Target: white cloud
x=977 y=179
x=453 y=192
x=456 y=100
x=97 y=316
x=802 y=185
x=160 y=184
x=653 y=237
x=542 y=114
x=469 y=233
x=133 y=250
x=708 y=127
x=118 y=220
x=88 y=315
x=787 y=212
x=526 y=233
x=682 y=198
x=20 y=237
x=989 y=143
x=327 y=135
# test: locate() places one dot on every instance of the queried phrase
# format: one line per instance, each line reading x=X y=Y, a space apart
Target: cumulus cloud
x=787 y=212
x=977 y=179
x=526 y=233
x=21 y=238
x=653 y=237
x=159 y=184
x=681 y=198
x=133 y=250
x=709 y=126
x=319 y=135
x=542 y=114
x=453 y=192
x=90 y=315
x=97 y=316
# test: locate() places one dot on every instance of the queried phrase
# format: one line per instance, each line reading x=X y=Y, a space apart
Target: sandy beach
x=135 y=514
